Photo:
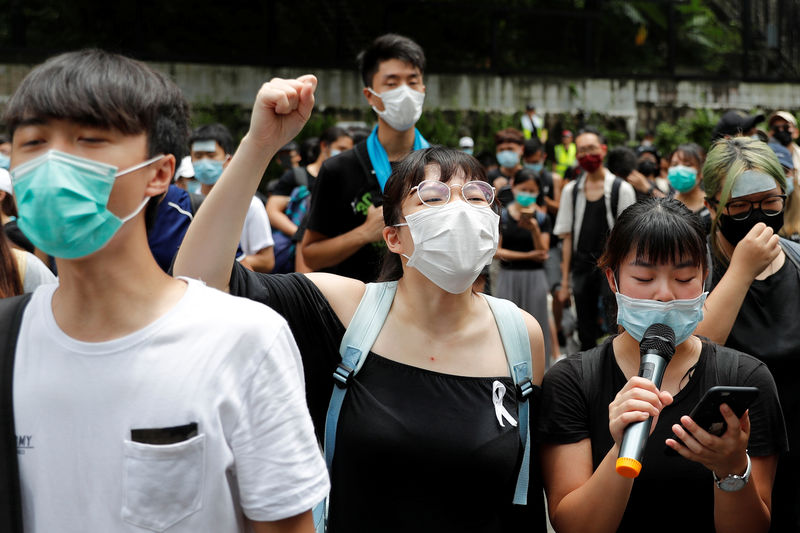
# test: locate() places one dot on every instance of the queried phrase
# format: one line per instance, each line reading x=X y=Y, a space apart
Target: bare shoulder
x=342 y=293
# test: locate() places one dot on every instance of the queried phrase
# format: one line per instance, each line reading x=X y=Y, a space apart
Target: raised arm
x=281 y=109
x=751 y=256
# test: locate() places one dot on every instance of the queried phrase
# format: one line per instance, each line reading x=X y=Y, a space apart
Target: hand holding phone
x=707 y=415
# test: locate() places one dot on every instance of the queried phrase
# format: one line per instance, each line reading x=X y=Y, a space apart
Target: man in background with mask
x=211 y=148
x=345 y=221
x=783 y=130
x=589 y=205
x=509 y=147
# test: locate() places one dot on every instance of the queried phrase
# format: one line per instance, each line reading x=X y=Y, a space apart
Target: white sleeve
x=256 y=232
x=563 y=223
x=279 y=465
x=627 y=197
x=36 y=273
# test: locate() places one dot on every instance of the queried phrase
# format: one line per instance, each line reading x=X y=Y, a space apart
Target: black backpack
x=614 y=197
x=11 y=310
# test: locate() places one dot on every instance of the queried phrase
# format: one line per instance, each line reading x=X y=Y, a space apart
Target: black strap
x=727 y=363
x=615 y=196
x=792 y=251
x=591 y=366
x=574 y=203
x=614 y=199
x=195 y=200
x=11 y=310
x=362 y=154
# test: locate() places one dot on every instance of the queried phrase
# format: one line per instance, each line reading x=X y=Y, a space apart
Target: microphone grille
x=658 y=338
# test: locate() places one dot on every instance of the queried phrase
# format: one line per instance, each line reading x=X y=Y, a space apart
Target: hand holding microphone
x=656 y=350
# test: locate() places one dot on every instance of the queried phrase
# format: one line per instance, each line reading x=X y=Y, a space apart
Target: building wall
x=640 y=102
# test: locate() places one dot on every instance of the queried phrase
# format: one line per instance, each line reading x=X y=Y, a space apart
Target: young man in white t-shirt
x=211 y=148
x=126 y=419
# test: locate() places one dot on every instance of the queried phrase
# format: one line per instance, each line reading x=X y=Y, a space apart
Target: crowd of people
x=403 y=304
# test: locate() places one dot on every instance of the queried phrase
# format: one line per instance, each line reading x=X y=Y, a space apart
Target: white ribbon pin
x=498 y=392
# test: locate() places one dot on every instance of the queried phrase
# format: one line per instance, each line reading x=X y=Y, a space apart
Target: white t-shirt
x=256 y=232
x=240 y=381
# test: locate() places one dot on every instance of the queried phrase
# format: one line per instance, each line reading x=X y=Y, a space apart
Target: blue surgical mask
x=193 y=186
x=334 y=152
x=536 y=167
x=507 y=158
x=5 y=161
x=62 y=202
x=207 y=171
x=682 y=178
x=636 y=315
x=525 y=199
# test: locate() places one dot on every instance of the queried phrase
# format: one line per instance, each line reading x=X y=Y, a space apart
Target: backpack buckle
x=342 y=375
x=524 y=390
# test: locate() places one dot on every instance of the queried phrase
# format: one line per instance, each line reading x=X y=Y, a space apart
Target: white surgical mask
x=402 y=106
x=453 y=243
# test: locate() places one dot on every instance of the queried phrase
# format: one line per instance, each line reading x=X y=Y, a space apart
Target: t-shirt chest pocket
x=163 y=483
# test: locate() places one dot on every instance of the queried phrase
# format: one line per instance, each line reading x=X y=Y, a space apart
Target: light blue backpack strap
x=319 y=512
x=364 y=328
x=514 y=334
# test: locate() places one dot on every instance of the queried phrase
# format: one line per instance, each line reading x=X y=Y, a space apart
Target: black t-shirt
x=594 y=232
x=288 y=181
x=416 y=450
x=766 y=325
x=497 y=173
x=521 y=240
x=573 y=410
x=344 y=190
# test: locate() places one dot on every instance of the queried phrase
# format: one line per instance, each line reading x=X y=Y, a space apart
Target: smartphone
x=707 y=415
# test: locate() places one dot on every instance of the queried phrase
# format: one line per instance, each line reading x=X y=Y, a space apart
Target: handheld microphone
x=656 y=350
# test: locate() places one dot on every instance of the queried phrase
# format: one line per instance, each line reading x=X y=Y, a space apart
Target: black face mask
x=735 y=230
x=647 y=167
x=782 y=136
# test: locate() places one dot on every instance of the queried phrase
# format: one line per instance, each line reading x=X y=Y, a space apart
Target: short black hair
x=621 y=161
x=214 y=132
x=532 y=146
x=385 y=47
x=332 y=134
x=106 y=90
x=659 y=231
x=524 y=175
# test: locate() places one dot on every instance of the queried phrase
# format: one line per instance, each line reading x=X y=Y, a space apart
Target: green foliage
x=696 y=127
